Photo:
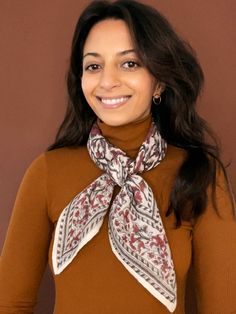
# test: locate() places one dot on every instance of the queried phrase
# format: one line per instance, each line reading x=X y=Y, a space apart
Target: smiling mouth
x=113 y=102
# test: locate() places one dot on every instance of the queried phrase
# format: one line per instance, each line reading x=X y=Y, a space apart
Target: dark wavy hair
x=171 y=61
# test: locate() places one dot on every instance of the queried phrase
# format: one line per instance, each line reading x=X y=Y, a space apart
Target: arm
x=25 y=251
x=214 y=255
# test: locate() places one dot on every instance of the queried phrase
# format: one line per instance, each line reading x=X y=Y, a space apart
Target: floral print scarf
x=136 y=231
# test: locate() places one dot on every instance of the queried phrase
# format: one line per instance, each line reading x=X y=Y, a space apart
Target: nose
x=109 y=78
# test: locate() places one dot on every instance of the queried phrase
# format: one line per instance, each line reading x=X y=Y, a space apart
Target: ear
x=160 y=87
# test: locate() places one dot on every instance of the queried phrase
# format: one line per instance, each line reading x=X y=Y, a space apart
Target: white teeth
x=114 y=101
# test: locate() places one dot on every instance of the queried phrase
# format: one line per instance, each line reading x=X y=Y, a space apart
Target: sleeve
x=24 y=254
x=214 y=255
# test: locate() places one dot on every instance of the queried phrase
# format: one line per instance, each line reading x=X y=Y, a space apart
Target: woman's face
x=115 y=84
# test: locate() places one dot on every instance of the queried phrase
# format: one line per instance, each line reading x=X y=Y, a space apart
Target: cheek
x=83 y=86
x=149 y=84
x=135 y=82
x=87 y=85
x=143 y=84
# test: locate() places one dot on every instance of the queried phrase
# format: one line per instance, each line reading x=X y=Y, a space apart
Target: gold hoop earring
x=156 y=99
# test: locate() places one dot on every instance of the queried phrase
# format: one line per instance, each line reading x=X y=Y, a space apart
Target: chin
x=114 y=122
x=117 y=120
x=118 y=117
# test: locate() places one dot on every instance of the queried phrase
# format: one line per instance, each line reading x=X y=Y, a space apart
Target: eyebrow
x=121 y=53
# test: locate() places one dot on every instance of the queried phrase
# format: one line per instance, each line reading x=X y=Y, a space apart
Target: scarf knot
x=117 y=164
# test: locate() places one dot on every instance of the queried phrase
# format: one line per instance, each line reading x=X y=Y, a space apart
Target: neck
x=128 y=137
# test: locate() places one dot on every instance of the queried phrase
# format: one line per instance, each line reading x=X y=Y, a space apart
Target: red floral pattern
x=136 y=231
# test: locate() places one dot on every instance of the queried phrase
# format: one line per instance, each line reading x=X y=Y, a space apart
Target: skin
x=117 y=87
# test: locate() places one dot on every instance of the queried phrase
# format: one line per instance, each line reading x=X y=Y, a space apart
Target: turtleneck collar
x=128 y=137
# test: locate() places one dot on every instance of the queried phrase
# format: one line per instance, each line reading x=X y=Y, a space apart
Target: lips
x=113 y=102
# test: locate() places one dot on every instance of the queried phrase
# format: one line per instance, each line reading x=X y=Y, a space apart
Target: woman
x=130 y=193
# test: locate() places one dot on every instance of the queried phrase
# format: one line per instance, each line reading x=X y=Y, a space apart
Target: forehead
x=108 y=35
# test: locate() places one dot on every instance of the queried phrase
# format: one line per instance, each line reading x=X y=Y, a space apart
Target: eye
x=92 y=67
x=130 y=64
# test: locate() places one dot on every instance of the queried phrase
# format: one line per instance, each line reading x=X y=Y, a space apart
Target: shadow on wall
x=46 y=295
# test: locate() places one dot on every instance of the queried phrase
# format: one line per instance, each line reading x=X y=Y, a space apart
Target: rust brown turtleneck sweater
x=96 y=282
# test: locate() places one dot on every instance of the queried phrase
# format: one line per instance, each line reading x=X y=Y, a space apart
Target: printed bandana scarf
x=136 y=232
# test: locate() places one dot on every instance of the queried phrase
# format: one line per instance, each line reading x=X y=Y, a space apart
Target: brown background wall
x=35 y=40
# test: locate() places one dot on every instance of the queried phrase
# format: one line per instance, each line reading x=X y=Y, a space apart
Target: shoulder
x=173 y=160
x=174 y=154
x=58 y=159
x=223 y=193
x=66 y=155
